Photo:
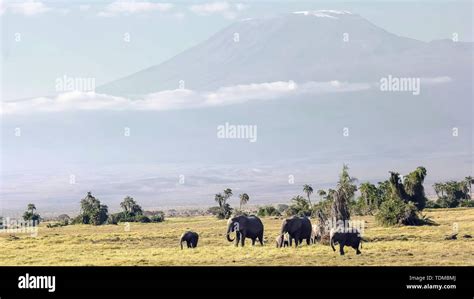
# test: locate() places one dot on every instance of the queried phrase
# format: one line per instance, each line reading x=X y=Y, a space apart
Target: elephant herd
x=293 y=230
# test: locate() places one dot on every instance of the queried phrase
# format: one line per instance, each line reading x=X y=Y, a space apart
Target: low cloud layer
x=225 y=9
x=176 y=99
x=133 y=7
x=27 y=8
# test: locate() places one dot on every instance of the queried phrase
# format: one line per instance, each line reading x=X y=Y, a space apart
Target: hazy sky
x=86 y=38
x=299 y=129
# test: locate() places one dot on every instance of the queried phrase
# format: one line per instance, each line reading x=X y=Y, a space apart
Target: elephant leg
x=243 y=240
x=356 y=247
x=237 y=239
x=291 y=241
x=341 y=249
x=308 y=241
x=188 y=244
x=297 y=240
x=260 y=239
x=253 y=241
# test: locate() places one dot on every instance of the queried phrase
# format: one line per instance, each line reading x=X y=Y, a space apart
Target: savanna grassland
x=157 y=244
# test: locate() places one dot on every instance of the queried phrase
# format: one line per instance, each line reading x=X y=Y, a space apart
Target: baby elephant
x=282 y=241
x=350 y=238
x=191 y=239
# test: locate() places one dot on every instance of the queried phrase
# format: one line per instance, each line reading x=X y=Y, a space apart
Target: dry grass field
x=157 y=245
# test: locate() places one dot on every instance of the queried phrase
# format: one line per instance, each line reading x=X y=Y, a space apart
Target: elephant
x=298 y=229
x=279 y=242
x=245 y=227
x=343 y=237
x=191 y=238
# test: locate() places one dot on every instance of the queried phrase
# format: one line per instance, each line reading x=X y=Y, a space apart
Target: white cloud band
x=176 y=99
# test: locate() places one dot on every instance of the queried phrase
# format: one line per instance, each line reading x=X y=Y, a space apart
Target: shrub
x=142 y=219
x=431 y=204
x=268 y=211
x=281 y=208
x=396 y=212
x=158 y=217
x=467 y=203
x=213 y=210
x=299 y=206
x=238 y=212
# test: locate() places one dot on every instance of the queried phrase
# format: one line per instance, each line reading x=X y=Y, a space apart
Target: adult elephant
x=245 y=227
x=298 y=229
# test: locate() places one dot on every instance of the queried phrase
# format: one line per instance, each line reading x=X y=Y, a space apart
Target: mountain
x=300 y=46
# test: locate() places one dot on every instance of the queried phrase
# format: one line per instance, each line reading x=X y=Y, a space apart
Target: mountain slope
x=301 y=46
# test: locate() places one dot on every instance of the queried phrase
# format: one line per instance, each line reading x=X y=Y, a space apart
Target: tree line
x=396 y=200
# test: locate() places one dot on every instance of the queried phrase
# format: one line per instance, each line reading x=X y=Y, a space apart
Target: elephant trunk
x=229 y=238
x=281 y=240
x=229 y=230
x=181 y=243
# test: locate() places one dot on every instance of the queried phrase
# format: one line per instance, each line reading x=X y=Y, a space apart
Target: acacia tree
x=131 y=207
x=31 y=215
x=92 y=211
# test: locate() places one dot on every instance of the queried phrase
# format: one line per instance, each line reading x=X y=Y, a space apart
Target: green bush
x=282 y=208
x=467 y=203
x=268 y=211
x=431 y=204
x=238 y=212
x=158 y=217
x=396 y=211
x=142 y=219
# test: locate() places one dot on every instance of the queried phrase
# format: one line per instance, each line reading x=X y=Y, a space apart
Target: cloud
x=176 y=99
x=221 y=8
x=128 y=7
x=27 y=8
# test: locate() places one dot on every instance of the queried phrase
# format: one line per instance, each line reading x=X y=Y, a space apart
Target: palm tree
x=308 y=190
x=31 y=208
x=227 y=193
x=244 y=199
x=365 y=192
x=330 y=194
x=219 y=198
x=346 y=183
x=321 y=193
